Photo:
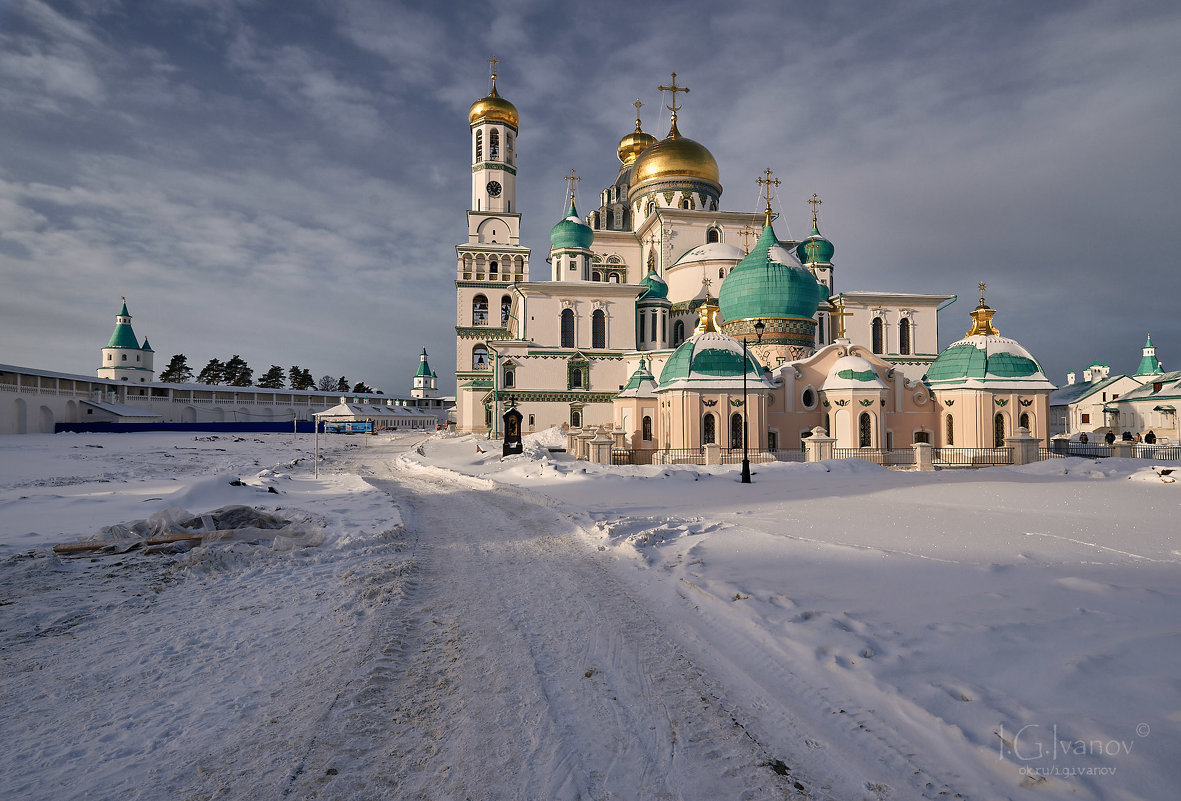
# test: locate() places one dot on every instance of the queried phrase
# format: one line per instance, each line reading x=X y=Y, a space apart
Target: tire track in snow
x=520 y=667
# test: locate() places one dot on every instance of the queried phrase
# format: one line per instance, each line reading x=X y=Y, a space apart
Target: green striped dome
x=707 y=357
x=770 y=283
x=571 y=232
x=815 y=249
x=983 y=360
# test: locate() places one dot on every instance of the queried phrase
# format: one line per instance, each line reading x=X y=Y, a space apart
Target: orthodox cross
x=746 y=234
x=767 y=183
x=570 y=179
x=815 y=203
x=492 y=62
x=638 y=106
x=982 y=286
x=673 y=108
x=840 y=314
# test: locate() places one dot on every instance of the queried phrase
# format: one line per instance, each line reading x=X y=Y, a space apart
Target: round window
x=808 y=398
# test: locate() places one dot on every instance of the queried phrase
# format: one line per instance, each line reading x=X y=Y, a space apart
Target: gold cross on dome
x=492 y=62
x=815 y=203
x=982 y=287
x=570 y=179
x=746 y=234
x=767 y=183
x=674 y=89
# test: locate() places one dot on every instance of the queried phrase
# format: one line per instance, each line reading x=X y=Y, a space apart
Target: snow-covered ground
x=450 y=624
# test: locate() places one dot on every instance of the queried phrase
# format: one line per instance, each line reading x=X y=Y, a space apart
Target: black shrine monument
x=512 y=430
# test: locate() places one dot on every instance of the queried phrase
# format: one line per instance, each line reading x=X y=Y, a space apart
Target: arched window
x=1024 y=422
x=506 y=307
x=575 y=418
x=510 y=378
x=610 y=219
x=713 y=235
x=598 y=329
x=641 y=334
x=721 y=272
x=827 y=427
x=479 y=145
x=651 y=206
x=709 y=433
x=663 y=327
x=678 y=332
x=494 y=145
x=479 y=310
x=864 y=431
x=686 y=203
x=493 y=269
x=567 y=328
x=596 y=276
x=508 y=146
x=879 y=335
x=998 y=430
x=772 y=441
x=646 y=429
x=820 y=340
x=949 y=432
x=479 y=358
x=904 y=336
x=736 y=430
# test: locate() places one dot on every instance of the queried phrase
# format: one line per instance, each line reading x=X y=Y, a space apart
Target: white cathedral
x=641 y=291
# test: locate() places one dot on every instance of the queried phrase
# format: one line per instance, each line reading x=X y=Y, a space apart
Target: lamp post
x=759 y=327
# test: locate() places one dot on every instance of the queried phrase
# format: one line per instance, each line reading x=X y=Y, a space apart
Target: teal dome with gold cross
x=769 y=284
x=571 y=232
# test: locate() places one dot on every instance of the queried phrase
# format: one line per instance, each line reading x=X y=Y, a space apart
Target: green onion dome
x=571 y=232
x=769 y=283
x=656 y=288
x=815 y=249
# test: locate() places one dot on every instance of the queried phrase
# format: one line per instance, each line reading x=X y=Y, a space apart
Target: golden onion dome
x=675 y=155
x=493 y=108
x=632 y=145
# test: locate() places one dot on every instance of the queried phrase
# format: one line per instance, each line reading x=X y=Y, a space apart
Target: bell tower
x=493 y=122
x=492 y=259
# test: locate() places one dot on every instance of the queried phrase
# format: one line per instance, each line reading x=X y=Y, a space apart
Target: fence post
x=818 y=447
x=572 y=441
x=1122 y=448
x=600 y=448
x=584 y=439
x=1023 y=446
x=924 y=457
x=713 y=453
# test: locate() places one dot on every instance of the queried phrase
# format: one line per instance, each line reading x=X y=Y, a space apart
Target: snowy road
x=518 y=666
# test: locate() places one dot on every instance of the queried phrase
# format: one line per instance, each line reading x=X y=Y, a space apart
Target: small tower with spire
x=1149 y=364
x=124 y=359
x=425 y=380
x=570 y=241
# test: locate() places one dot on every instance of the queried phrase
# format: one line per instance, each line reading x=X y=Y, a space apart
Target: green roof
x=657 y=288
x=709 y=355
x=762 y=286
x=424 y=369
x=571 y=232
x=983 y=358
x=641 y=375
x=815 y=249
x=123 y=337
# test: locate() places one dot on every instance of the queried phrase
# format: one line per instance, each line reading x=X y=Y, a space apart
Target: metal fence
x=1085 y=449
x=1166 y=453
x=895 y=457
x=972 y=457
x=632 y=455
x=787 y=455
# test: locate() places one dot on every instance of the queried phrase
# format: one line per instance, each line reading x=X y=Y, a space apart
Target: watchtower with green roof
x=123 y=358
x=425 y=380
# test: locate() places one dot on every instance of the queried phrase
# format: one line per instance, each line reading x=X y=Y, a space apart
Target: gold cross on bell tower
x=492 y=62
x=815 y=202
x=673 y=133
x=767 y=183
x=570 y=179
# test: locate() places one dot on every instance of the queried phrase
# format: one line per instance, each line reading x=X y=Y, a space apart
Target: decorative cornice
x=550 y=396
x=490 y=166
x=482 y=332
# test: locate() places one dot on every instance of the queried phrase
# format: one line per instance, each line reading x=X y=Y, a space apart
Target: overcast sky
x=287 y=179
